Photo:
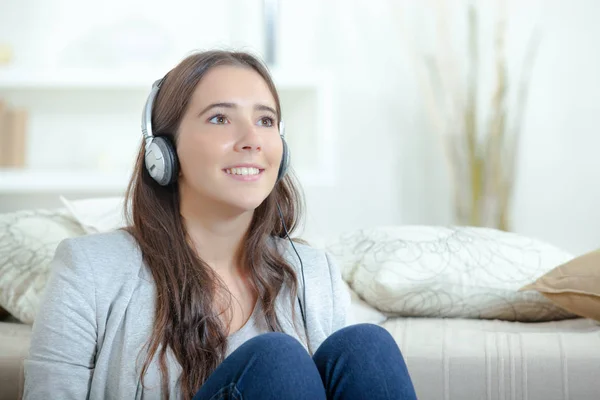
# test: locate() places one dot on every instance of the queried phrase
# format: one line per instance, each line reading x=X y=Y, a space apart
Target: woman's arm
x=61 y=359
x=341 y=297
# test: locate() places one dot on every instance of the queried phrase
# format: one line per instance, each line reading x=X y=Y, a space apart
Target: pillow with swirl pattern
x=452 y=272
x=28 y=239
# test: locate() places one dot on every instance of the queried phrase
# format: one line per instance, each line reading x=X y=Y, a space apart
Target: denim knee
x=269 y=366
x=273 y=348
x=365 y=332
x=360 y=340
x=363 y=361
x=273 y=341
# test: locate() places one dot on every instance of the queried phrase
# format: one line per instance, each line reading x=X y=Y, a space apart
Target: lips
x=244 y=174
x=243 y=171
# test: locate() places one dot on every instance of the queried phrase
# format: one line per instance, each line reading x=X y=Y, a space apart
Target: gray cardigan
x=97 y=314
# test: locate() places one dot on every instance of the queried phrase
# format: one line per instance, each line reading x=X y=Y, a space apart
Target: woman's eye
x=218 y=119
x=266 y=121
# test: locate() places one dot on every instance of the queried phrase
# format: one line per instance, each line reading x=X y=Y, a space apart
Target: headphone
x=160 y=157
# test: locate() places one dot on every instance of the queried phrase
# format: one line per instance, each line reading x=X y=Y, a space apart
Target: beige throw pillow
x=573 y=286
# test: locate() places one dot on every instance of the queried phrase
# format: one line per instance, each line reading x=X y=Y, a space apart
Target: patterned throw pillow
x=453 y=272
x=28 y=240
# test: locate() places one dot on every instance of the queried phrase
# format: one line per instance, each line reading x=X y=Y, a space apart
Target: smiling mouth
x=243 y=171
x=244 y=174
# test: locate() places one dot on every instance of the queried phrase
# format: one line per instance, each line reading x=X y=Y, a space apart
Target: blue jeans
x=357 y=362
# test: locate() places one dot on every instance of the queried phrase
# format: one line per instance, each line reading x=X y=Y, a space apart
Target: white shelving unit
x=30 y=182
x=12 y=78
x=84 y=129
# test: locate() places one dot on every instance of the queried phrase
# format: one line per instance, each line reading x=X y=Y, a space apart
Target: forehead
x=237 y=84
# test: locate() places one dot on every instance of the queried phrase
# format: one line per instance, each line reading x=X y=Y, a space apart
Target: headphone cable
x=301 y=266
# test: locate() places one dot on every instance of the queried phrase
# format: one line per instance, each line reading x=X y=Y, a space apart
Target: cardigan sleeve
x=341 y=300
x=61 y=359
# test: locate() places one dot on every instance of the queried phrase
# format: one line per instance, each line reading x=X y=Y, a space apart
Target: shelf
x=12 y=78
x=15 y=181
x=30 y=181
x=62 y=102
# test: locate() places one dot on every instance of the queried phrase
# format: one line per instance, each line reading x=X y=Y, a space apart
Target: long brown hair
x=186 y=322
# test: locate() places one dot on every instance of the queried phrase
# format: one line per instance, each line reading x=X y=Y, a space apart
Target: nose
x=249 y=139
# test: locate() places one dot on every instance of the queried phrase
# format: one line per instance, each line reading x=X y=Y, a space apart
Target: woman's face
x=228 y=143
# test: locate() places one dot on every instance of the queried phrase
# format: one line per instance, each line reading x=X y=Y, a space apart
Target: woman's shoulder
x=116 y=244
x=315 y=260
x=289 y=247
x=328 y=298
x=107 y=254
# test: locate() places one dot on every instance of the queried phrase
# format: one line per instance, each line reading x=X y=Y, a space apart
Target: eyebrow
x=258 y=107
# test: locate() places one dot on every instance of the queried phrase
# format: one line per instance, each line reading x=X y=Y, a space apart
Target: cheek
x=275 y=150
x=196 y=151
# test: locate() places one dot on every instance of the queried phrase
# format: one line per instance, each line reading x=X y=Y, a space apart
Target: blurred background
x=397 y=111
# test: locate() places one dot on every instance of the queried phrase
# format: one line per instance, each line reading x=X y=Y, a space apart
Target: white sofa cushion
x=28 y=240
x=454 y=272
x=97 y=214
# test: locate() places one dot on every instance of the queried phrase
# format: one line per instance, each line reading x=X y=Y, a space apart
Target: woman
x=200 y=296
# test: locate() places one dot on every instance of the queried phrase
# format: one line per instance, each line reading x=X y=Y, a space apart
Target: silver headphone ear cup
x=161 y=161
x=285 y=161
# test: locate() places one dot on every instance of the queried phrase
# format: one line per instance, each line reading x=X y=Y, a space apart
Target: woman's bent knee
x=274 y=348
x=364 y=333
x=365 y=330
x=280 y=364
x=269 y=366
x=359 y=341
x=363 y=358
x=273 y=342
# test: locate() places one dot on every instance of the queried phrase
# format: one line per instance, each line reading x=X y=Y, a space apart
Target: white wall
x=558 y=193
x=388 y=142
x=390 y=168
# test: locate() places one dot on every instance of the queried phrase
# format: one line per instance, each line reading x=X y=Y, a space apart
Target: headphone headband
x=147 y=114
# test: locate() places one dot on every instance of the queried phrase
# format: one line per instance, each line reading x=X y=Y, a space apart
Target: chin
x=246 y=203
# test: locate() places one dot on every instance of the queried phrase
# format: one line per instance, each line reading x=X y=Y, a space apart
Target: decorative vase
x=482 y=160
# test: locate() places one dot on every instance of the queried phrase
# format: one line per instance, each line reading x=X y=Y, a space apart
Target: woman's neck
x=217 y=234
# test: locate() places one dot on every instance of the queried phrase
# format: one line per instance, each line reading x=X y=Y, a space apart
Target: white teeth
x=243 y=171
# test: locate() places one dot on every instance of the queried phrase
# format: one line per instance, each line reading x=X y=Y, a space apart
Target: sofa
x=477 y=313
